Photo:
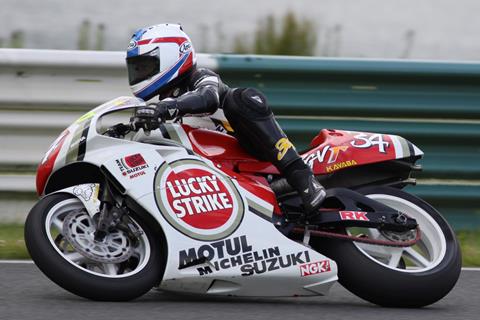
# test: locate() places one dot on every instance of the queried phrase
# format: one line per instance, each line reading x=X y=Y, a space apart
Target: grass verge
x=470 y=243
x=12 y=245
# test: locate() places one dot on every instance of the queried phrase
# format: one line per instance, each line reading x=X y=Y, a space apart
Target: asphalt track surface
x=25 y=293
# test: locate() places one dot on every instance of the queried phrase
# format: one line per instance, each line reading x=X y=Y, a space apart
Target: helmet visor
x=143 y=67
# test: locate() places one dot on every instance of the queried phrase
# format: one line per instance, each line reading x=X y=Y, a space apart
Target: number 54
x=363 y=140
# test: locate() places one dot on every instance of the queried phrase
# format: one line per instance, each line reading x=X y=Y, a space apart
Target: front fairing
x=82 y=135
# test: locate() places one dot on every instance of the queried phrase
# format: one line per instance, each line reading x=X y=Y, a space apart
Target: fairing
x=72 y=144
x=334 y=150
x=232 y=248
x=330 y=150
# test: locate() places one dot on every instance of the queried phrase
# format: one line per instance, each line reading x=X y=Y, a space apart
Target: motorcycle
x=186 y=209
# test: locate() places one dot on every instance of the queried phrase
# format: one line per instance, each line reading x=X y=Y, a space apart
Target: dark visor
x=143 y=67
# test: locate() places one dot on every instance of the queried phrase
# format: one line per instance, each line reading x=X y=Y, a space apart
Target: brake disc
x=79 y=230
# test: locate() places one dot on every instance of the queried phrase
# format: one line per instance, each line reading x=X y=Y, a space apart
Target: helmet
x=158 y=58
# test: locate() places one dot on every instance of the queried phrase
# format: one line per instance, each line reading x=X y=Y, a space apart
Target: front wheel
x=398 y=277
x=59 y=235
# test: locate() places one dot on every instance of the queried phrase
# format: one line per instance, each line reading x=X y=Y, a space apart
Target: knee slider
x=251 y=102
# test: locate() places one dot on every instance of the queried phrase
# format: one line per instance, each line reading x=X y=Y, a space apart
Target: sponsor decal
x=315 y=268
x=327 y=153
x=85 y=191
x=132 y=45
x=185 y=47
x=282 y=145
x=353 y=215
x=221 y=126
x=196 y=192
x=238 y=253
x=132 y=166
x=341 y=165
x=198 y=200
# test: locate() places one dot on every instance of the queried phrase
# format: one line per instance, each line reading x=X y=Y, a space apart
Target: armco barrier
x=436 y=105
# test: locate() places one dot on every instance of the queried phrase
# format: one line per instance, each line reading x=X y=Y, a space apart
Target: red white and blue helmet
x=157 y=58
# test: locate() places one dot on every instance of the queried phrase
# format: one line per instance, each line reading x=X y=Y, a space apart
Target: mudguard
x=87 y=193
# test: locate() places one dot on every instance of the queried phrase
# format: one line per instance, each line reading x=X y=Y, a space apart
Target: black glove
x=166 y=109
x=145 y=118
x=149 y=117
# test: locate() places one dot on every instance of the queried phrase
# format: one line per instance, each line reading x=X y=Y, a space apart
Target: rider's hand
x=145 y=118
x=166 y=109
x=149 y=117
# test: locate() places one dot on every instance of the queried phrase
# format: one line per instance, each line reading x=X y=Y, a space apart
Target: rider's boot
x=257 y=131
x=301 y=178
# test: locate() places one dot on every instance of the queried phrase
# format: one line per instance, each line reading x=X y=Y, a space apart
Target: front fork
x=114 y=214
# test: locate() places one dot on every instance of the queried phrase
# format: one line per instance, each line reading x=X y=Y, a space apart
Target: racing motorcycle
x=187 y=210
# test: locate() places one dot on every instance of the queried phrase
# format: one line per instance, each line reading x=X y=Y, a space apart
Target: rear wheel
x=59 y=235
x=398 y=277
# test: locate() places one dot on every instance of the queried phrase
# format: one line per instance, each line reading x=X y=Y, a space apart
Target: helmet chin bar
x=175 y=87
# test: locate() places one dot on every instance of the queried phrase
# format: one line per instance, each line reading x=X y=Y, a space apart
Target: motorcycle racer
x=161 y=61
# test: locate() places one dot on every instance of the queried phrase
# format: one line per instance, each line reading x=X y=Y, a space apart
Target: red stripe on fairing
x=45 y=168
x=177 y=40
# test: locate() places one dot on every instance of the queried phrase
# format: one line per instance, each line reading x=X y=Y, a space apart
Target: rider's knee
x=248 y=103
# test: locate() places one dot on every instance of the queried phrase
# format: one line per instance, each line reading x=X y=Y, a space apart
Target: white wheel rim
x=54 y=224
x=423 y=256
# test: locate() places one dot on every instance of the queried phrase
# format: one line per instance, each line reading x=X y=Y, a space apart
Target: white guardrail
x=41 y=93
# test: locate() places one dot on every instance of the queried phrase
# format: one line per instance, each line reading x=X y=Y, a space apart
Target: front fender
x=87 y=193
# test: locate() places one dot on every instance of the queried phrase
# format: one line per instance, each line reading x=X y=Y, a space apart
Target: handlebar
x=119 y=130
x=136 y=123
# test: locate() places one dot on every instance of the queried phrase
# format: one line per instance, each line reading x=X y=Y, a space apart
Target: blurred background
x=407 y=29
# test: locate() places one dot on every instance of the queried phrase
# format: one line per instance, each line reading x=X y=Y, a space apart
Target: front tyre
x=117 y=269
x=398 y=277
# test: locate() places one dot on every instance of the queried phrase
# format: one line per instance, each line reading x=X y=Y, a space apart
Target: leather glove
x=145 y=118
x=149 y=117
x=166 y=109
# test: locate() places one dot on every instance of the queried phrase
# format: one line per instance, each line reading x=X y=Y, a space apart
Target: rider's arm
x=204 y=97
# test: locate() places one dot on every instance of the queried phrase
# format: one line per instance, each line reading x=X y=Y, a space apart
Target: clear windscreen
x=112 y=118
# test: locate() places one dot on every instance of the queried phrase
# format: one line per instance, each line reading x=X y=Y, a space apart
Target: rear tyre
x=399 y=277
x=117 y=269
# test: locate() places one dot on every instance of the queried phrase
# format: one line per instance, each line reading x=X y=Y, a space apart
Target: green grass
x=470 y=243
x=12 y=245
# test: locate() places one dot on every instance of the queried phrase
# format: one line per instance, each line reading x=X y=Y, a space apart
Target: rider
x=161 y=61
